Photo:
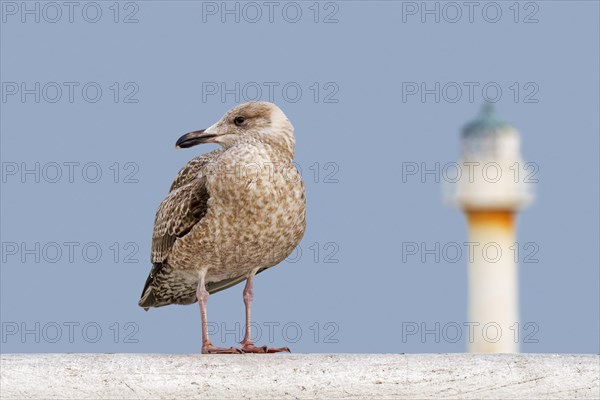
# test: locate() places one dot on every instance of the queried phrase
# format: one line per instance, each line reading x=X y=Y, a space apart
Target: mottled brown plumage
x=230 y=213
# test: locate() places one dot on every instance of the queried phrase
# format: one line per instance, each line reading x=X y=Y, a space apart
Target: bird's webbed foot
x=208 y=348
x=249 y=347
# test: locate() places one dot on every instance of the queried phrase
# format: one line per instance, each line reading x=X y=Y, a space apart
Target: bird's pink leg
x=247 y=344
x=207 y=346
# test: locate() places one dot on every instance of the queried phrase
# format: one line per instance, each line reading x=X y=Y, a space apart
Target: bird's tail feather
x=151 y=298
x=148 y=299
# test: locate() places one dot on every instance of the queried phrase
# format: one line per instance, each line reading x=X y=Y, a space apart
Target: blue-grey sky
x=84 y=95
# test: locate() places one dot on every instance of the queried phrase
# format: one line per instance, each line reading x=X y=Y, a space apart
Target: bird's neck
x=279 y=147
x=282 y=151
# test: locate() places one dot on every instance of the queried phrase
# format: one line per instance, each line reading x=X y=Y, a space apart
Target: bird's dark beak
x=194 y=138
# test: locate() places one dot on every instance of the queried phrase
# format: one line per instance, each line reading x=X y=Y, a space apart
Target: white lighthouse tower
x=490 y=190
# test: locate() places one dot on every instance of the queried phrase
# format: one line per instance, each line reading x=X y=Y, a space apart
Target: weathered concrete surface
x=303 y=376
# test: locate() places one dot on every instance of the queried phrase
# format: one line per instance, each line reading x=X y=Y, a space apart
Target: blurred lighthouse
x=490 y=190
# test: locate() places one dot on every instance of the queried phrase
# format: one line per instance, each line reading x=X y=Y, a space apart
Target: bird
x=230 y=214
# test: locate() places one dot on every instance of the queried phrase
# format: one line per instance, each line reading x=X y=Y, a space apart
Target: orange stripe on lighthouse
x=501 y=218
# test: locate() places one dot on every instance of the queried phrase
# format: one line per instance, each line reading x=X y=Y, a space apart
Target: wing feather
x=183 y=208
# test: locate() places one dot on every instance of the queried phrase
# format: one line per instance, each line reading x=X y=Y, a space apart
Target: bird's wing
x=183 y=208
x=202 y=165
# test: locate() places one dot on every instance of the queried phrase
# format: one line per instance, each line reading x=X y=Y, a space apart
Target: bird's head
x=261 y=121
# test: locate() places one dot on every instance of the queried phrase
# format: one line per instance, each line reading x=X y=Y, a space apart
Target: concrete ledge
x=300 y=376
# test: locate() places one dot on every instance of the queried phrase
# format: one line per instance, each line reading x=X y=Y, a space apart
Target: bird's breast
x=256 y=214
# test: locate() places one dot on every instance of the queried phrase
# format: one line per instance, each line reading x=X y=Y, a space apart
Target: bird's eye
x=239 y=120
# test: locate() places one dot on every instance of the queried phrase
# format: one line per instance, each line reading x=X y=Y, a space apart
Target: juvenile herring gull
x=229 y=214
